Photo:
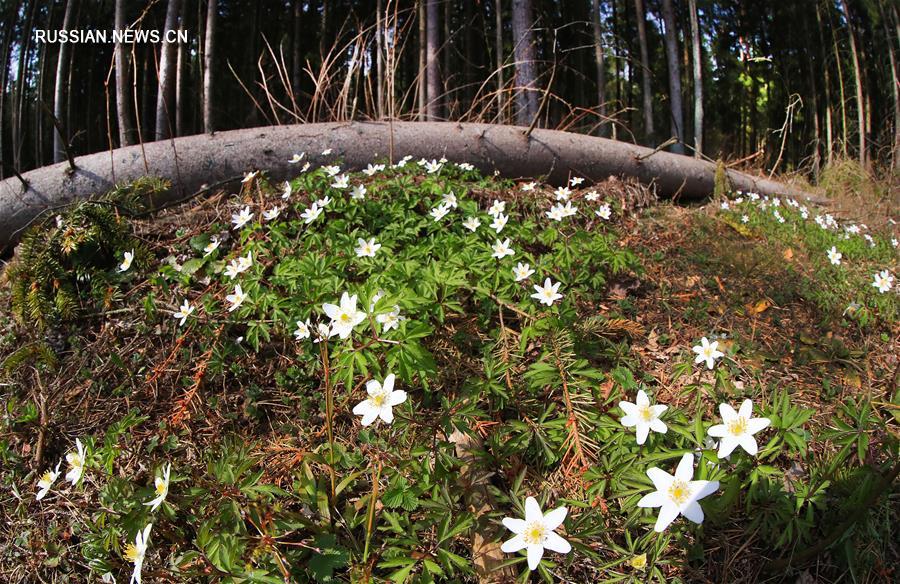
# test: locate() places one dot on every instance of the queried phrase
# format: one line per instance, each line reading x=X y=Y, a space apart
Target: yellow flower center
x=160 y=487
x=737 y=426
x=639 y=562
x=679 y=492
x=76 y=461
x=46 y=478
x=131 y=553
x=345 y=317
x=378 y=400
x=708 y=352
x=645 y=413
x=535 y=532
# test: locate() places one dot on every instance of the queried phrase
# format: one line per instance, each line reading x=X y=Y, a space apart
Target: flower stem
x=370 y=519
x=329 y=415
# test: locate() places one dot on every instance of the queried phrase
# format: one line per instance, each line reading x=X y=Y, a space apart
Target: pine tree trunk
x=18 y=136
x=498 y=48
x=164 y=90
x=179 y=86
x=857 y=74
x=379 y=62
x=524 y=51
x=432 y=41
x=8 y=28
x=123 y=102
x=59 y=152
x=601 y=68
x=422 y=77
x=208 y=120
x=698 y=79
x=675 y=109
x=297 y=53
x=646 y=91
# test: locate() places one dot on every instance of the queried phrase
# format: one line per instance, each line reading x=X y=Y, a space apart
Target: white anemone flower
x=472 y=224
x=522 y=272
x=236 y=299
x=568 y=210
x=497 y=208
x=76 y=461
x=331 y=170
x=272 y=213
x=499 y=222
x=344 y=316
x=371 y=169
x=737 y=429
x=708 y=352
x=212 y=246
x=643 y=416
x=184 y=312
x=390 y=320
x=562 y=193
x=380 y=401
x=249 y=176
x=465 y=166
x=556 y=213
x=527 y=187
x=592 y=196
x=296 y=158
x=322 y=332
x=502 y=249
x=677 y=495
x=323 y=202
x=161 y=488
x=311 y=213
x=604 y=212
x=46 y=481
x=450 y=199
x=575 y=181
x=326 y=152
x=358 y=192
x=306 y=166
x=303 y=331
x=367 y=249
x=834 y=256
x=135 y=552
x=128 y=257
x=883 y=281
x=548 y=293
x=440 y=211
x=241 y=218
x=745 y=219
x=433 y=166
x=341 y=182
x=536 y=533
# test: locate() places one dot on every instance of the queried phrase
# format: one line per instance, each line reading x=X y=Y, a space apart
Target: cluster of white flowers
x=678 y=494
x=882 y=281
x=77 y=460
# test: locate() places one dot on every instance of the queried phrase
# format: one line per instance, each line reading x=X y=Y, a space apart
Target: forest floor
x=504 y=397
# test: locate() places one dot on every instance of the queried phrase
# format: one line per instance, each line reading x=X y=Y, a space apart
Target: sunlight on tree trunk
x=675 y=110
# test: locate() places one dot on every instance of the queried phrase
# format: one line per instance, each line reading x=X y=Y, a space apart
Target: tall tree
x=696 y=57
x=646 y=91
x=212 y=9
x=59 y=93
x=422 y=77
x=498 y=49
x=123 y=103
x=166 y=86
x=672 y=58
x=524 y=51
x=857 y=74
x=432 y=40
x=379 y=63
x=601 y=67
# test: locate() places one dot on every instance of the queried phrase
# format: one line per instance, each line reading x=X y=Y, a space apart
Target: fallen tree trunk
x=194 y=161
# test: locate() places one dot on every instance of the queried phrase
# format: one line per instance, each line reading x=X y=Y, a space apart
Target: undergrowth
x=207 y=354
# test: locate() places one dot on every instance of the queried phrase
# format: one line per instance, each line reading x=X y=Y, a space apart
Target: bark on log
x=194 y=161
